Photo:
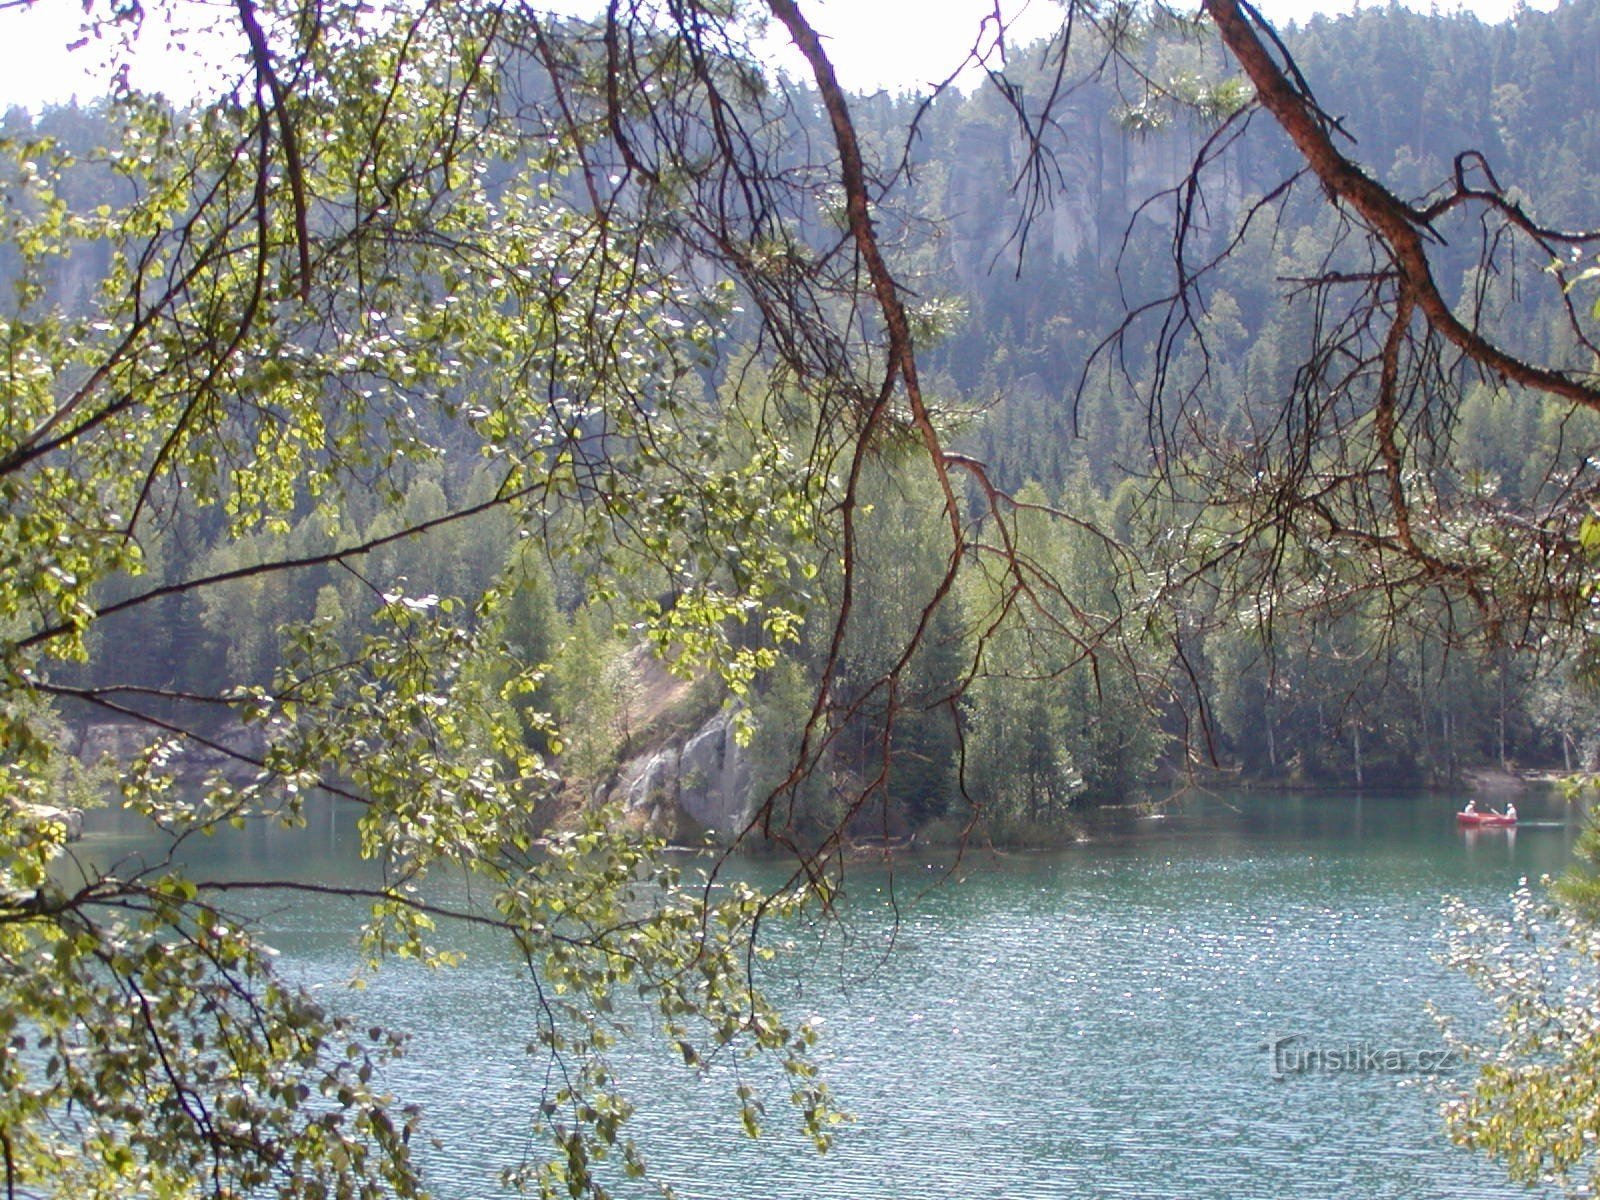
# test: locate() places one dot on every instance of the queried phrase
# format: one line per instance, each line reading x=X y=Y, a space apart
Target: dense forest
x=1056 y=711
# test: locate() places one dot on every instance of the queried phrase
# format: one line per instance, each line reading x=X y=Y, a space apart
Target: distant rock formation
x=118 y=741
x=122 y=742
x=706 y=779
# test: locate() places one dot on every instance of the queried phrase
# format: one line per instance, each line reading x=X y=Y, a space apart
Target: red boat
x=1477 y=820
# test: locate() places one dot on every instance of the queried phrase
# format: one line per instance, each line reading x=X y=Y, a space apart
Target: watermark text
x=1292 y=1054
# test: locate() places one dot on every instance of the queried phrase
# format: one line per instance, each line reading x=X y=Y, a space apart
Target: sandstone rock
x=121 y=742
x=714 y=778
x=707 y=779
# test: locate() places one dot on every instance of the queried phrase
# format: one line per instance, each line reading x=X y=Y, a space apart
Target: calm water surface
x=1084 y=1023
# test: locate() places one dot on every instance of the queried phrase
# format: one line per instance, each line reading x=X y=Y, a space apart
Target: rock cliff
x=705 y=778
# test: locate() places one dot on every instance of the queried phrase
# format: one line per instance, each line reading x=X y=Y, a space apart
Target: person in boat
x=1511 y=810
x=1471 y=810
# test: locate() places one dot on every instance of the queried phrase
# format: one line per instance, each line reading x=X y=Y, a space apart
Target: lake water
x=1094 y=1022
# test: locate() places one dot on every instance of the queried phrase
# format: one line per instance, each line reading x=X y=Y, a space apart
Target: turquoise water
x=1094 y=1022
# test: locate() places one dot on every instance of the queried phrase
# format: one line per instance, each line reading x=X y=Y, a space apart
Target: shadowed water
x=1227 y=1002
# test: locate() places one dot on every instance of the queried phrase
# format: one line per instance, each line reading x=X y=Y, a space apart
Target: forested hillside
x=1020 y=297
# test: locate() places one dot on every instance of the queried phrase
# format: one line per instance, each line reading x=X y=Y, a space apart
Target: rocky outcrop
x=1114 y=176
x=248 y=741
x=706 y=779
x=122 y=742
x=119 y=742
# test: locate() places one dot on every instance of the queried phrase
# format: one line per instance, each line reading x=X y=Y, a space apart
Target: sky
x=873 y=43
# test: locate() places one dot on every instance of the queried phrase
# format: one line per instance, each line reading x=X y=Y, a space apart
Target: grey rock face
x=707 y=779
x=122 y=742
x=115 y=740
x=714 y=778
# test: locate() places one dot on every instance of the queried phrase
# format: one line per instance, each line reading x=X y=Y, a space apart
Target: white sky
x=873 y=43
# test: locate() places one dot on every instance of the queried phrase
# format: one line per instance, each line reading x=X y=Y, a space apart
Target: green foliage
x=531 y=626
x=592 y=683
x=809 y=807
x=1534 y=1103
x=1059 y=709
x=1578 y=891
x=319 y=295
x=1021 y=772
x=156 y=1052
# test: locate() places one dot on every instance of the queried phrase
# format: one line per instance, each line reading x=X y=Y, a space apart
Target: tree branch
x=1400 y=227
